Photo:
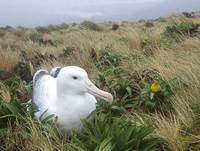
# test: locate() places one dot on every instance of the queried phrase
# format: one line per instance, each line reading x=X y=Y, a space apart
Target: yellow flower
x=155 y=87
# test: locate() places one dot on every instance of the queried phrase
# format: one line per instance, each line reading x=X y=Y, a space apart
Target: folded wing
x=44 y=92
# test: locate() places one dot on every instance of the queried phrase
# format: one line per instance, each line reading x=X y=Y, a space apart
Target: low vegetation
x=91 y=25
x=152 y=69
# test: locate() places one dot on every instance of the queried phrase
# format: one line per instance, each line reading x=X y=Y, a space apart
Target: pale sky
x=43 y=12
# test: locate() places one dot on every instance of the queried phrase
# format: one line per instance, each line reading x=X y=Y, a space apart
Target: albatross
x=66 y=93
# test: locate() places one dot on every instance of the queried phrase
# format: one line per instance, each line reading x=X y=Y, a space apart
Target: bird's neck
x=70 y=101
x=67 y=94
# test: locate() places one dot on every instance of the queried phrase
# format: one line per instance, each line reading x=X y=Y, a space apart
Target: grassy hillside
x=152 y=68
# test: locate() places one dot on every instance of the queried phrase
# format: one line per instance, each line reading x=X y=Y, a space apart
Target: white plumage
x=67 y=93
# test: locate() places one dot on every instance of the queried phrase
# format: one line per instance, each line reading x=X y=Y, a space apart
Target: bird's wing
x=55 y=71
x=44 y=92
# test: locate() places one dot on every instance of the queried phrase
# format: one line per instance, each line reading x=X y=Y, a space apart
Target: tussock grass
x=30 y=135
x=8 y=60
x=169 y=130
x=4 y=92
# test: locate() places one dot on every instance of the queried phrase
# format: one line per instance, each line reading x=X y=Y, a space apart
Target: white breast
x=74 y=108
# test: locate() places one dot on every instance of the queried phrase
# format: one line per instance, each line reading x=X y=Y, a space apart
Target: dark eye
x=74 y=77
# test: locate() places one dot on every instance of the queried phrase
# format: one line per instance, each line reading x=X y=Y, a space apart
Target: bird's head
x=74 y=80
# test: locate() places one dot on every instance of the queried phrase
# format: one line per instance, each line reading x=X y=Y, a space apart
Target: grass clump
x=141 y=20
x=42 y=29
x=177 y=31
x=91 y=25
x=161 y=19
x=108 y=59
x=9 y=61
x=149 y=44
x=34 y=36
x=115 y=27
x=188 y=14
x=149 y=24
x=53 y=28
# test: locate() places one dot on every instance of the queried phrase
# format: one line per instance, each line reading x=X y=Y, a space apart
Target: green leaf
x=121 y=109
x=105 y=145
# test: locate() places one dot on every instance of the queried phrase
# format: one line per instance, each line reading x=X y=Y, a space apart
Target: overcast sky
x=44 y=12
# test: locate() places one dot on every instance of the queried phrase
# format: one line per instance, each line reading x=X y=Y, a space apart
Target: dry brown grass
x=4 y=92
x=169 y=130
x=133 y=40
x=8 y=60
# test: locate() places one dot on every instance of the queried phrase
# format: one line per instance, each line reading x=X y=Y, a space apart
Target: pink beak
x=92 y=89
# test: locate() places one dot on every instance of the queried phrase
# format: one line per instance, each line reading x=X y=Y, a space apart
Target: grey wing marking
x=55 y=71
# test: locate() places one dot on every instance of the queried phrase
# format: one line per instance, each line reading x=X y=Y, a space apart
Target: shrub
x=10 y=108
x=18 y=89
x=182 y=29
x=105 y=133
x=9 y=112
x=108 y=59
x=115 y=27
x=53 y=28
x=73 y=24
x=161 y=19
x=156 y=94
x=131 y=89
x=8 y=28
x=90 y=25
x=117 y=80
x=35 y=36
x=42 y=29
x=188 y=15
x=141 y=21
x=149 y=24
x=63 y=26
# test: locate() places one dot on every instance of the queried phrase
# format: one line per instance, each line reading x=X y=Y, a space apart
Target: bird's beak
x=92 y=89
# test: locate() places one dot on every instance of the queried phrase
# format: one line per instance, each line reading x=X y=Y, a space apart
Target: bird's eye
x=75 y=77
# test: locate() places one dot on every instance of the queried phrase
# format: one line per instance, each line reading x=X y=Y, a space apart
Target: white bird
x=69 y=95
